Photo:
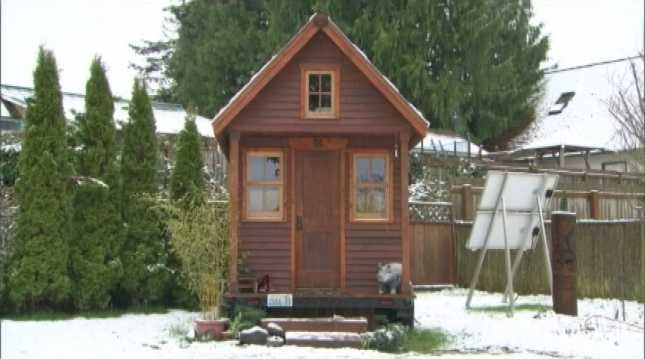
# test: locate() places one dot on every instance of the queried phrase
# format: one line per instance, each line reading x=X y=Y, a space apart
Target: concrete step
x=323 y=339
x=326 y=324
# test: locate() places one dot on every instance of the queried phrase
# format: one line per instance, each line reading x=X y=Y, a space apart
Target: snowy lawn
x=534 y=333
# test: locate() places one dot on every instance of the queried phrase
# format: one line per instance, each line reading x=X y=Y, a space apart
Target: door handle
x=299 y=223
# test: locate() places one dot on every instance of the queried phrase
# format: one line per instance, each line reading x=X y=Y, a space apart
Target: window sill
x=371 y=220
x=320 y=117
x=264 y=219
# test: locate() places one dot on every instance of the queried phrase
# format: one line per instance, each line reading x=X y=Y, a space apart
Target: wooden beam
x=343 y=218
x=467 y=206
x=234 y=207
x=405 y=215
x=563 y=228
x=594 y=204
x=292 y=211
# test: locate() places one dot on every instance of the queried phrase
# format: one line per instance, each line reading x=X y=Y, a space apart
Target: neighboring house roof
x=446 y=142
x=574 y=111
x=319 y=23
x=3 y=110
x=169 y=118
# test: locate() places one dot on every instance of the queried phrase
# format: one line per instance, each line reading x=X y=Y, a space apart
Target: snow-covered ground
x=529 y=334
x=594 y=333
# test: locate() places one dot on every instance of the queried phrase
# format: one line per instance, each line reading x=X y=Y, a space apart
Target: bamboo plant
x=200 y=240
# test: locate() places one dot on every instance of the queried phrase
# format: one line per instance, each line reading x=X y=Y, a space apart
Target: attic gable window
x=561 y=103
x=320 y=91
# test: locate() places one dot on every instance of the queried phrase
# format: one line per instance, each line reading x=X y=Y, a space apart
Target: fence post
x=642 y=230
x=594 y=204
x=467 y=202
x=563 y=255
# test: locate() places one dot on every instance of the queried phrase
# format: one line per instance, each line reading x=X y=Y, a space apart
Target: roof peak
x=319 y=22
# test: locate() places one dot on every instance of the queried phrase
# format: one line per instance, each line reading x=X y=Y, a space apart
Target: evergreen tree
x=97 y=232
x=187 y=179
x=38 y=273
x=472 y=66
x=143 y=254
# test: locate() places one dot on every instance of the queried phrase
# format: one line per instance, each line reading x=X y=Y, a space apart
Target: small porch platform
x=394 y=307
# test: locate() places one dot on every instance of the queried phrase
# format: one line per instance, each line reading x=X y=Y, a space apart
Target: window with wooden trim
x=320 y=91
x=264 y=185
x=371 y=187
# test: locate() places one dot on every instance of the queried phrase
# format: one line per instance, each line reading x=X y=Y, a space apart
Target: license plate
x=279 y=300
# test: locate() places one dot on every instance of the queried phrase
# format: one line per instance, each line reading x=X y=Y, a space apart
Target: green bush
x=8 y=167
x=199 y=238
x=395 y=338
x=245 y=317
x=424 y=340
x=389 y=339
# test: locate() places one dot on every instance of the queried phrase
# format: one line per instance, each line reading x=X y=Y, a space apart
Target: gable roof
x=319 y=23
x=582 y=122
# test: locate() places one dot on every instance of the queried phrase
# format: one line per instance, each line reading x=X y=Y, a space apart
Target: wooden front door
x=317 y=219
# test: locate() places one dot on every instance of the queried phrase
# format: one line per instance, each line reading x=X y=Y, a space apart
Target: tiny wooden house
x=318 y=144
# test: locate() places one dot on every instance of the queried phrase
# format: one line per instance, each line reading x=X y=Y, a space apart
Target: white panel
x=519 y=191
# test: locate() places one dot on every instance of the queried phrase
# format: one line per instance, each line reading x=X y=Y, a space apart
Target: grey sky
x=582 y=31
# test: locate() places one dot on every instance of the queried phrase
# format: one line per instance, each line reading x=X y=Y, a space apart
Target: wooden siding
x=368 y=244
x=362 y=107
x=268 y=249
x=268 y=244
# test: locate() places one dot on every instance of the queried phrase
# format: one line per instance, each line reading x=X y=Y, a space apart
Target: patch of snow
x=85 y=180
x=446 y=143
x=14 y=147
x=529 y=334
x=169 y=118
x=585 y=121
x=592 y=334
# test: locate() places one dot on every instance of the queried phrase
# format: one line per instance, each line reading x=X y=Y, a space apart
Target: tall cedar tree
x=472 y=66
x=98 y=229
x=187 y=181
x=143 y=253
x=38 y=273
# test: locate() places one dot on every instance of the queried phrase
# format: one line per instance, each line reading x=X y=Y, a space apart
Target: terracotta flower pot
x=211 y=328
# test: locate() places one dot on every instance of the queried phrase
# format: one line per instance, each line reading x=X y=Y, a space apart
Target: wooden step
x=327 y=324
x=323 y=339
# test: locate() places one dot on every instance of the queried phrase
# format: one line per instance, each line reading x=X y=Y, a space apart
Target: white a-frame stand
x=521 y=213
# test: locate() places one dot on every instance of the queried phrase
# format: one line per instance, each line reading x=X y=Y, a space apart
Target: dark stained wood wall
x=268 y=243
x=371 y=243
x=367 y=119
x=277 y=106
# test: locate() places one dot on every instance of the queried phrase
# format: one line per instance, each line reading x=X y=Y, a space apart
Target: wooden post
x=594 y=204
x=467 y=202
x=405 y=215
x=234 y=207
x=507 y=255
x=642 y=217
x=563 y=244
x=561 y=157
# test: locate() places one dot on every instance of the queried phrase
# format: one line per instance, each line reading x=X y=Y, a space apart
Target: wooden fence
x=610 y=259
x=591 y=204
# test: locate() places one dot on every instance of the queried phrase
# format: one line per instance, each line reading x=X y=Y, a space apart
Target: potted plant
x=199 y=237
